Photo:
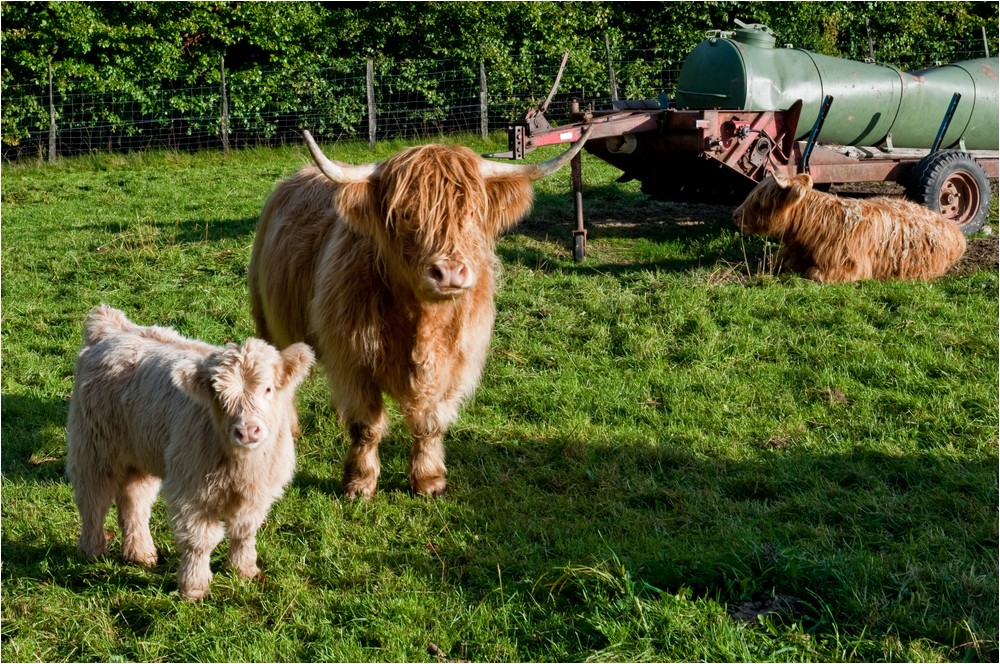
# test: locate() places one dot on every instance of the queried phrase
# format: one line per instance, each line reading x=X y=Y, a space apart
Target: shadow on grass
x=33 y=433
x=188 y=231
x=694 y=229
x=857 y=538
x=194 y=230
x=66 y=567
x=611 y=212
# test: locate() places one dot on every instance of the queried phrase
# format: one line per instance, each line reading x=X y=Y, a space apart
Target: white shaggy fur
x=214 y=424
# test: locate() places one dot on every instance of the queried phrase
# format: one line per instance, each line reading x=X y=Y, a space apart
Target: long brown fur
x=344 y=267
x=832 y=239
x=214 y=424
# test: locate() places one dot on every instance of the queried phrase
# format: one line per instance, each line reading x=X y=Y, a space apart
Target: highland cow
x=388 y=271
x=832 y=239
x=214 y=424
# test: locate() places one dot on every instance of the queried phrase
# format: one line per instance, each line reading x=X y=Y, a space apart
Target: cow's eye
x=268 y=391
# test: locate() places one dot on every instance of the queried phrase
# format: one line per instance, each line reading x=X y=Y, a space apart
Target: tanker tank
x=874 y=104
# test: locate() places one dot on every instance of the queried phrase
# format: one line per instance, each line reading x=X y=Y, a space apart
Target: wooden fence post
x=986 y=43
x=370 y=86
x=484 y=123
x=225 y=106
x=611 y=69
x=52 y=119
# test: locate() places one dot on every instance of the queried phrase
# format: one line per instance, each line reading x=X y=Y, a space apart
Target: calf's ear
x=295 y=363
x=803 y=180
x=799 y=186
x=194 y=380
x=509 y=200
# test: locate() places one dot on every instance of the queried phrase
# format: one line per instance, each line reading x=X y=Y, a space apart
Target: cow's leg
x=846 y=271
x=427 y=469
x=135 y=502
x=361 y=466
x=428 y=424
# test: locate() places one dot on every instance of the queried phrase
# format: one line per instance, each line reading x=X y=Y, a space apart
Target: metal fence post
x=370 y=86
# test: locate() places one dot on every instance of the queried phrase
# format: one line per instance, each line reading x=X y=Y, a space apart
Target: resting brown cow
x=832 y=239
x=387 y=269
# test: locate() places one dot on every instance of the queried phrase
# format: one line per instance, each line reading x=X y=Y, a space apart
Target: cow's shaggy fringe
x=832 y=239
x=214 y=424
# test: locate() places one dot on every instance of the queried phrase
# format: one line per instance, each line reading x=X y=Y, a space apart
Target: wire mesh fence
x=348 y=99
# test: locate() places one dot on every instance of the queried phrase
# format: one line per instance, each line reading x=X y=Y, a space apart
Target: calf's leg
x=94 y=492
x=135 y=502
x=242 y=531
x=197 y=536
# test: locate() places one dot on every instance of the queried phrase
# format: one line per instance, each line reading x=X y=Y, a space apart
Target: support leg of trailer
x=580 y=233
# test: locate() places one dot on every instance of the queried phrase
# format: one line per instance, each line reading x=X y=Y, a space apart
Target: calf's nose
x=449 y=275
x=246 y=434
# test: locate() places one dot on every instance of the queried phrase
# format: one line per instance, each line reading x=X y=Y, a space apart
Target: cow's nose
x=450 y=275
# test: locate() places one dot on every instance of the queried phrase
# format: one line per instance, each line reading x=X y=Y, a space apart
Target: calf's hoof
x=193 y=594
x=250 y=573
x=143 y=558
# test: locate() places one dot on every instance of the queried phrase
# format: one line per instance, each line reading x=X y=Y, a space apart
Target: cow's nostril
x=436 y=274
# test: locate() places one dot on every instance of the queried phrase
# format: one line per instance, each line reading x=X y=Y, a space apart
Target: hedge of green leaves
x=156 y=60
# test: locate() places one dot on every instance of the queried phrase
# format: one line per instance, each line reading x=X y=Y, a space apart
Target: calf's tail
x=103 y=320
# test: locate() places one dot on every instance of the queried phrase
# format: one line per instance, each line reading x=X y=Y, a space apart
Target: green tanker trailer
x=746 y=106
x=874 y=105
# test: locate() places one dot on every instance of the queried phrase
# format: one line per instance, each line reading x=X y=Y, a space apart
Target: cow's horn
x=534 y=171
x=337 y=171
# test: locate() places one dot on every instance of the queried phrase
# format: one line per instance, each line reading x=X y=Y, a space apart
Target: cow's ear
x=358 y=205
x=509 y=200
x=295 y=363
x=194 y=380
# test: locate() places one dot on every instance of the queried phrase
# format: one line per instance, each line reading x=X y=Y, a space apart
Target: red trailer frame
x=720 y=155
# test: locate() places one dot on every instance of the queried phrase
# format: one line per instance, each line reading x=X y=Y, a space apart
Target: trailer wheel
x=952 y=183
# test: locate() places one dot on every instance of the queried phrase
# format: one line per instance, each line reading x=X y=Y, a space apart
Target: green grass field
x=673 y=455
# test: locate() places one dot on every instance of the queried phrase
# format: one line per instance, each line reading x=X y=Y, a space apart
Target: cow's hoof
x=430 y=487
x=356 y=489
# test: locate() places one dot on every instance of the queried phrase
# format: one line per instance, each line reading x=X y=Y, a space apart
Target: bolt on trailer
x=746 y=107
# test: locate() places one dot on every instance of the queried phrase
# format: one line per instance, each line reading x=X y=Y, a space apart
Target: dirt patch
x=750 y=611
x=981 y=255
